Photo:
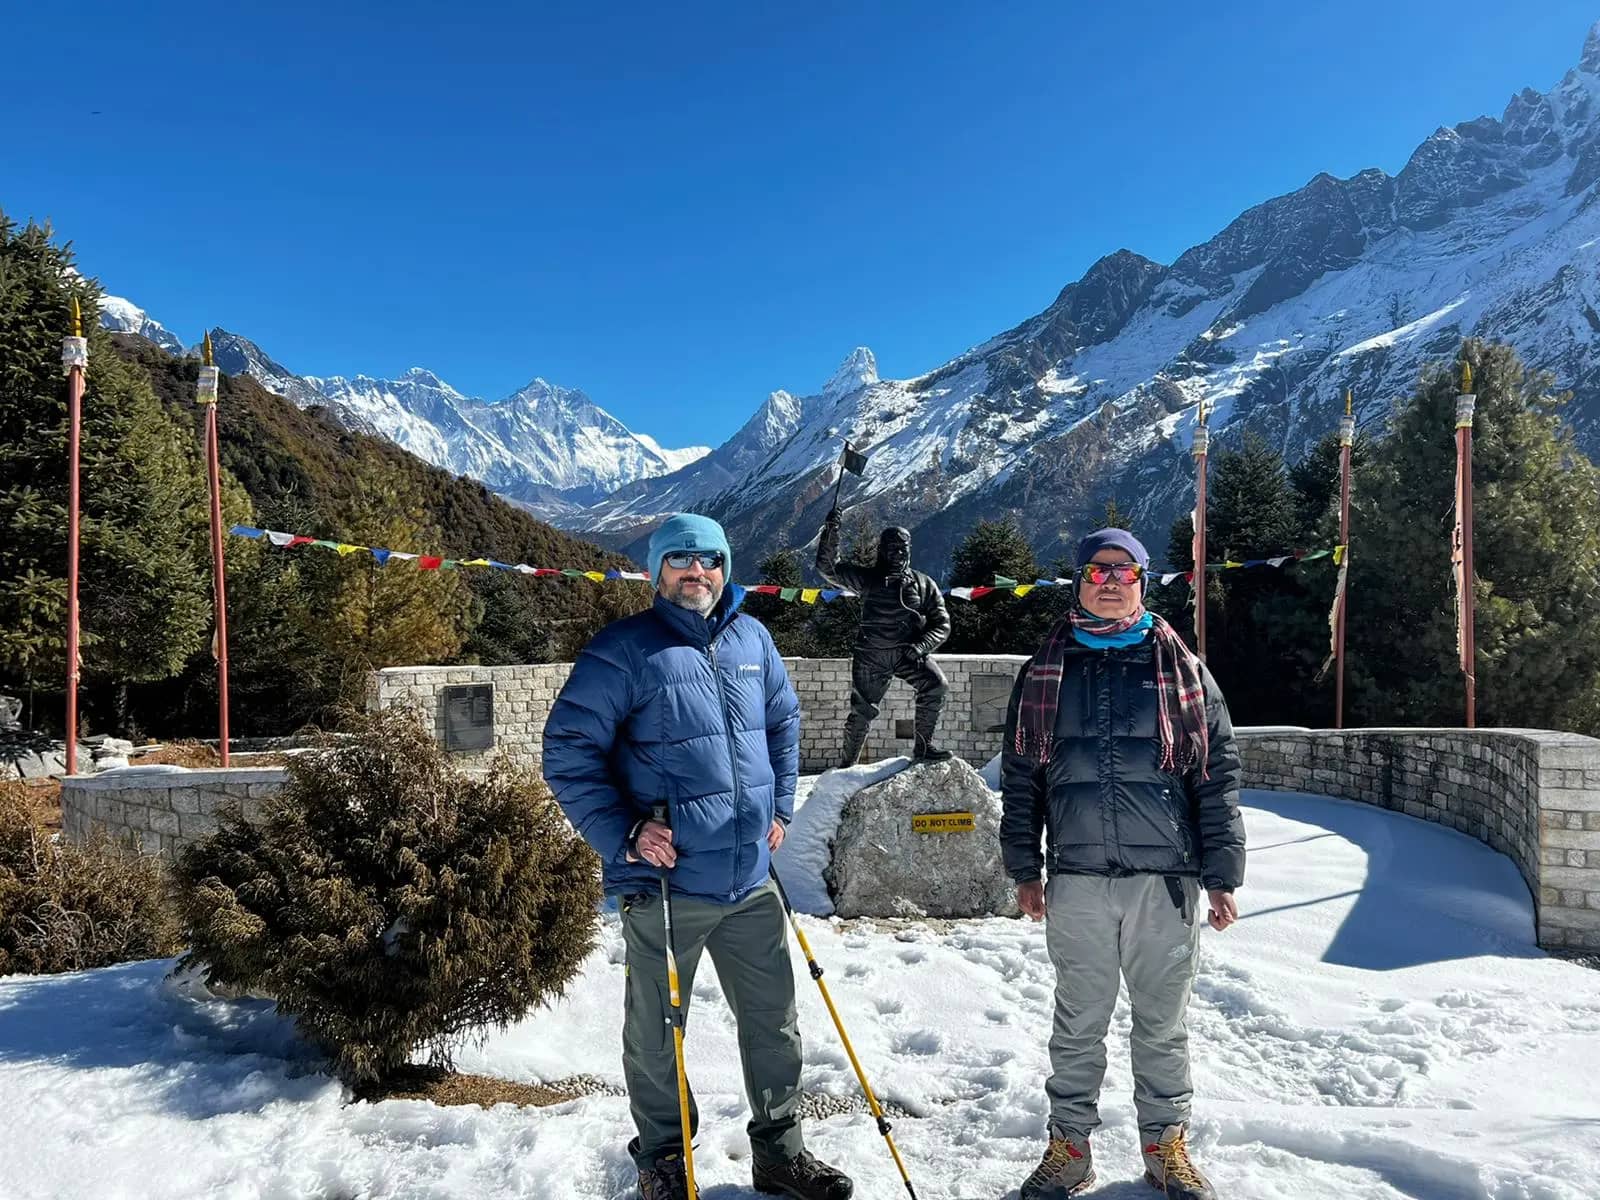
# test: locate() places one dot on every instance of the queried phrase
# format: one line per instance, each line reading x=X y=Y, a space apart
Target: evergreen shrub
x=68 y=907
x=391 y=903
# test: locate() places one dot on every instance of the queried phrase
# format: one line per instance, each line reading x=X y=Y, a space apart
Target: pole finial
x=1466 y=376
x=77 y=317
x=1347 y=402
x=205 y=352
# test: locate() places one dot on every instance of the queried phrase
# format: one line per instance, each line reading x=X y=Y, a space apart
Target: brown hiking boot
x=1168 y=1169
x=1066 y=1169
x=667 y=1180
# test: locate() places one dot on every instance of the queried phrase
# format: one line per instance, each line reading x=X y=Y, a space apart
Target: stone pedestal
x=924 y=842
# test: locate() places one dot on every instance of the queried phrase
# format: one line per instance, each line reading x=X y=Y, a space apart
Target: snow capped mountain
x=540 y=440
x=1492 y=229
x=532 y=446
x=124 y=316
x=238 y=355
x=567 y=441
x=676 y=460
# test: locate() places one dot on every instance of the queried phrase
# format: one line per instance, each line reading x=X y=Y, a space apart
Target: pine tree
x=789 y=621
x=144 y=580
x=393 y=614
x=1537 y=552
x=1114 y=517
x=1250 y=515
x=994 y=624
x=993 y=548
x=1250 y=509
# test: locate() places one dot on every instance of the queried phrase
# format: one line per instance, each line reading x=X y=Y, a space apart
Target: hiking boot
x=1066 y=1169
x=667 y=1180
x=803 y=1177
x=1167 y=1168
x=925 y=751
x=854 y=740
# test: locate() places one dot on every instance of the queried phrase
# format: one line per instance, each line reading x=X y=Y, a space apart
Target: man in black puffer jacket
x=903 y=621
x=1119 y=753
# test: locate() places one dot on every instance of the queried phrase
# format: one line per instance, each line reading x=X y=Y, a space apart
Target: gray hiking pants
x=749 y=944
x=1097 y=928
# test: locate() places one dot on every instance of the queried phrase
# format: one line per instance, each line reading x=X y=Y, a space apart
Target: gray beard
x=702 y=602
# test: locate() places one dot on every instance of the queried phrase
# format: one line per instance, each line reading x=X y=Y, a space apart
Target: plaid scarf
x=1180 y=689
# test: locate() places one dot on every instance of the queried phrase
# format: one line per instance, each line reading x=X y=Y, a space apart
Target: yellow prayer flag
x=1024 y=588
x=809 y=595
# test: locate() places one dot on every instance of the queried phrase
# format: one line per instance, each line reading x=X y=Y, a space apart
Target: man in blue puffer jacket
x=687 y=707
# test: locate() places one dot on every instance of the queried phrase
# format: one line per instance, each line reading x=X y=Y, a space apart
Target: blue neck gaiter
x=1131 y=636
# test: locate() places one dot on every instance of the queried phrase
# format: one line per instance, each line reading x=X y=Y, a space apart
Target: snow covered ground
x=1378 y=1025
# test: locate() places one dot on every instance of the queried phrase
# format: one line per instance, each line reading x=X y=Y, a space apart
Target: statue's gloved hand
x=831 y=522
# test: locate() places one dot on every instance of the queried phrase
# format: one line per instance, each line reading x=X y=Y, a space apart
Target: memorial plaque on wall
x=990 y=695
x=467 y=712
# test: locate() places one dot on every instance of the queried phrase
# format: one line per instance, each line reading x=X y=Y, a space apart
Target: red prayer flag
x=429 y=562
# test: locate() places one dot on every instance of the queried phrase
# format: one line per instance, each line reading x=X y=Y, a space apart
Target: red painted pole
x=1202 y=443
x=1466 y=404
x=74 y=360
x=1347 y=433
x=206 y=395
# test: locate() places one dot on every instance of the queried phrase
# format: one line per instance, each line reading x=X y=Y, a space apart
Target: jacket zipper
x=1108 y=763
x=733 y=760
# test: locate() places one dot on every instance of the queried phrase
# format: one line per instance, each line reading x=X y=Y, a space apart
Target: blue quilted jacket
x=667 y=707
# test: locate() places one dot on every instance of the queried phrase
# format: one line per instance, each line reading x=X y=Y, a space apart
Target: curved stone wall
x=1532 y=794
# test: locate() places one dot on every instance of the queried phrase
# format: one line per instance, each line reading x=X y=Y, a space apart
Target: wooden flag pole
x=206 y=396
x=1466 y=404
x=74 y=361
x=1347 y=434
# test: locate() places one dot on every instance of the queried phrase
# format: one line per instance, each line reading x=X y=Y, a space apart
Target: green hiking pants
x=749 y=945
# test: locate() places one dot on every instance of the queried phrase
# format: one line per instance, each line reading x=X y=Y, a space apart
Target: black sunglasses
x=709 y=560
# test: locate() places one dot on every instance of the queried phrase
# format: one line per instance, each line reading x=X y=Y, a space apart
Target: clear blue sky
x=679 y=208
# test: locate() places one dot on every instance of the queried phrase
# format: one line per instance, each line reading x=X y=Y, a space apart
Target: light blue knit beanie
x=688 y=531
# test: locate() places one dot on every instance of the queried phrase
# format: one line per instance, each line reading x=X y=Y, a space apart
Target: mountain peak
x=1590 y=61
x=124 y=316
x=858 y=370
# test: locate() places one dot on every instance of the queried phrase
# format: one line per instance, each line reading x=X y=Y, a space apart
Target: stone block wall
x=1533 y=795
x=160 y=808
x=523 y=696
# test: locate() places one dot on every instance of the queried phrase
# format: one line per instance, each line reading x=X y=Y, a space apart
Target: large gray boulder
x=884 y=866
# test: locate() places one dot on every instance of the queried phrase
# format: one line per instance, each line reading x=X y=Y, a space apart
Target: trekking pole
x=659 y=813
x=816 y=973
